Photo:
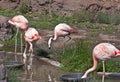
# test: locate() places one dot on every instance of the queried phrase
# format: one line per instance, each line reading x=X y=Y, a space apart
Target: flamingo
x=20 y=22
x=31 y=35
x=61 y=30
x=102 y=51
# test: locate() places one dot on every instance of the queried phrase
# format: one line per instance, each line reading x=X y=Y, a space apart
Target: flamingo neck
x=95 y=60
x=55 y=37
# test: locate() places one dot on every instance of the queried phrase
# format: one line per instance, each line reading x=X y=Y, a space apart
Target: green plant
x=83 y=16
x=115 y=19
x=103 y=18
x=9 y=13
x=25 y=8
x=76 y=58
x=13 y=75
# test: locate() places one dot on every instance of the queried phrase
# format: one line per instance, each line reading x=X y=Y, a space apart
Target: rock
x=3 y=74
x=5 y=28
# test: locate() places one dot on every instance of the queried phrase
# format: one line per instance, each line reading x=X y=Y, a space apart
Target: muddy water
x=42 y=70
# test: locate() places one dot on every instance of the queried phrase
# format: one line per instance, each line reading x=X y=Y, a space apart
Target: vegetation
x=25 y=7
x=13 y=75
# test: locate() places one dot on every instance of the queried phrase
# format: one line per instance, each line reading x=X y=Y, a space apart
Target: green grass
x=9 y=13
x=13 y=75
x=76 y=58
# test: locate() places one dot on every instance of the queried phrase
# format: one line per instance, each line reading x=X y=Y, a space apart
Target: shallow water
x=43 y=71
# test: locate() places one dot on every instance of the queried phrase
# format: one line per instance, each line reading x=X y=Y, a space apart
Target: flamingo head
x=11 y=22
x=72 y=30
x=117 y=53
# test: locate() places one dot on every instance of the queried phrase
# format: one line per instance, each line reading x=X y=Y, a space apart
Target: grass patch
x=9 y=13
x=13 y=75
x=76 y=58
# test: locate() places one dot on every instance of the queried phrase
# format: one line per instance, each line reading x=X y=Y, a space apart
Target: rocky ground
x=63 y=7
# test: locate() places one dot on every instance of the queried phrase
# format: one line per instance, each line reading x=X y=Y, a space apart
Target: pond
x=45 y=72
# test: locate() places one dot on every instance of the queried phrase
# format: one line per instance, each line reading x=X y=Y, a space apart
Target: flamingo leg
x=21 y=44
x=16 y=43
x=103 y=71
x=103 y=67
x=69 y=38
x=31 y=47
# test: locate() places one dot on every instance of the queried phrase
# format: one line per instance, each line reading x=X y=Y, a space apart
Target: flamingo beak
x=49 y=47
x=117 y=53
x=73 y=30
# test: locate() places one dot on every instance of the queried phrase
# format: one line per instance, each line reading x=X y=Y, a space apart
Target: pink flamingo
x=103 y=51
x=20 y=22
x=31 y=35
x=61 y=30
